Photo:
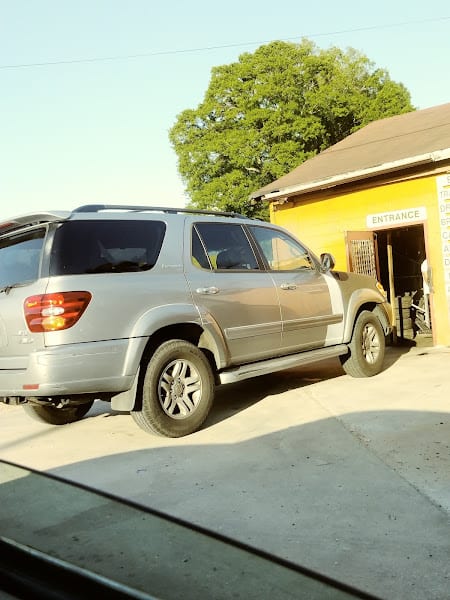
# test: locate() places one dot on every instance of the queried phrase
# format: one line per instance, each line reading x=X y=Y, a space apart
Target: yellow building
x=379 y=201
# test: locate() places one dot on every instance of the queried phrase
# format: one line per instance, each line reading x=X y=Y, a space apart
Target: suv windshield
x=106 y=246
x=19 y=258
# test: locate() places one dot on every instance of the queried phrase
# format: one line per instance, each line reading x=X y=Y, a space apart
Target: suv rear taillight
x=55 y=312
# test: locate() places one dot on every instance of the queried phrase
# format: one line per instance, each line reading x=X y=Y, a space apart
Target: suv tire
x=177 y=392
x=366 y=347
x=57 y=416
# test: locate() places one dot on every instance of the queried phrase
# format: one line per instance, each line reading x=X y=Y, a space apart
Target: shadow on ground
x=312 y=494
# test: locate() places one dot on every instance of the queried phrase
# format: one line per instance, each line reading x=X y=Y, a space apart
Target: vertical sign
x=443 y=190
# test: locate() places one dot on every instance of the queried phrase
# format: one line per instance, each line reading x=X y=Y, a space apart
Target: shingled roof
x=384 y=146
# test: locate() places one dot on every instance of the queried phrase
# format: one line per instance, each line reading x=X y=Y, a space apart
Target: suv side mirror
x=327 y=261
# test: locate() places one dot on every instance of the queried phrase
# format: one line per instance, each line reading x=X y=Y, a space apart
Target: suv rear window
x=20 y=257
x=81 y=247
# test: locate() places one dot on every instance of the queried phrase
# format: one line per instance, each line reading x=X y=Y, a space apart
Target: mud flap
x=125 y=401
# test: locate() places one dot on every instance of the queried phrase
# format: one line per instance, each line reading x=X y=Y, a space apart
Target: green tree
x=267 y=113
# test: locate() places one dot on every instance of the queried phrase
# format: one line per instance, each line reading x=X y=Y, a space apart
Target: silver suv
x=150 y=308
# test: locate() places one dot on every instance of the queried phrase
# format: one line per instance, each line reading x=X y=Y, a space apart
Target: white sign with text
x=396 y=217
x=443 y=190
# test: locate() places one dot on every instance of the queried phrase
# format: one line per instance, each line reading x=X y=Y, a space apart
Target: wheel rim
x=370 y=344
x=179 y=389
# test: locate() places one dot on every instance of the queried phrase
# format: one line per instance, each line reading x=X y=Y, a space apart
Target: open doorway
x=396 y=258
x=401 y=251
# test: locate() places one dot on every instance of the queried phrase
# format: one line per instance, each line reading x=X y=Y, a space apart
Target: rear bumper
x=89 y=368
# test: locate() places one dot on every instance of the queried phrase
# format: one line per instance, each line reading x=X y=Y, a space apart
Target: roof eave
x=421 y=159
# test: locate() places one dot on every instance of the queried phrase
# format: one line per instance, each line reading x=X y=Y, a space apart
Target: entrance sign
x=396 y=217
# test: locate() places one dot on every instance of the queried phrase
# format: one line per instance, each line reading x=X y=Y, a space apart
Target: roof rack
x=165 y=209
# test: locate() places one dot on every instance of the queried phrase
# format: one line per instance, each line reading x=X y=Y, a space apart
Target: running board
x=279 y=364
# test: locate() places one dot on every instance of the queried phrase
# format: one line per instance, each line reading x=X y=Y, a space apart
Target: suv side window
x=199 y=257
x=20 y=257
x=281 y=252
x=82 y=247
x=227 y=246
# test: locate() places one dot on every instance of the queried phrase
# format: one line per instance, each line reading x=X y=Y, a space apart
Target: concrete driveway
x=349 y=477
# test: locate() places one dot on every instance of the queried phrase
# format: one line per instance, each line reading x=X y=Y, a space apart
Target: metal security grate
x=363 y=257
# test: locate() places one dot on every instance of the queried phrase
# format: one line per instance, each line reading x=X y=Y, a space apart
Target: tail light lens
x=55 y=312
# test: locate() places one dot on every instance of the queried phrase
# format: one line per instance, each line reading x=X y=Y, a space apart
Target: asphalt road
x=349 y=477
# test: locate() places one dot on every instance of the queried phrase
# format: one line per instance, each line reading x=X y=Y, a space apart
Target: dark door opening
x=406 y=247
x=395 y=257
x=408 y=252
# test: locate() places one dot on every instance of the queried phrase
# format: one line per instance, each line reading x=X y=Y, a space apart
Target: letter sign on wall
x=396 y=218
x=443 y=191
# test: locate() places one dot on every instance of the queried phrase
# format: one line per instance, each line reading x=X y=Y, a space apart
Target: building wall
x=322 y=221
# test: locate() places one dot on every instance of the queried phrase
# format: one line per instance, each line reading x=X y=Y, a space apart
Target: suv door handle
x=208 y=290
x=288 y=286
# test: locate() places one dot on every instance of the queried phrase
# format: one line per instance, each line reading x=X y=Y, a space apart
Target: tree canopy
x=267 y=113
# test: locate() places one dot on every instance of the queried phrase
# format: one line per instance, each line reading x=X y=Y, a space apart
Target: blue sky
x=96 y=131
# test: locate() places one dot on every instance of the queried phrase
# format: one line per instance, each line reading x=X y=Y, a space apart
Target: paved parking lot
x=350 y=477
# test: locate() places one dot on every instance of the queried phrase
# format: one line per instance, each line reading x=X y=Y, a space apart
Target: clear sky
x=81 y=130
